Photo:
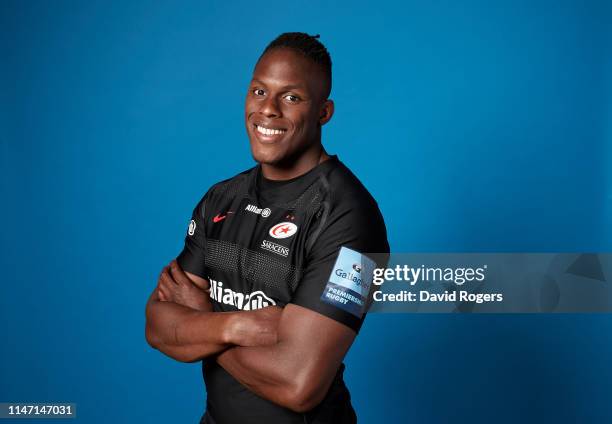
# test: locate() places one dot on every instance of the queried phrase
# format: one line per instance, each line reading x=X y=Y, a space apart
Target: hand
x=256 y=328
x=175 y=286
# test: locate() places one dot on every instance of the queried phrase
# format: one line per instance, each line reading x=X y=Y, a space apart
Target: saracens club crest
x=283 y=230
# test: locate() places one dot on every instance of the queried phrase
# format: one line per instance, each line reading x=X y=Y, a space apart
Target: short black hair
x=309 y=46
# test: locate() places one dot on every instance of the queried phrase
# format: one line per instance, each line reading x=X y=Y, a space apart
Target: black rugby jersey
x=302 y=241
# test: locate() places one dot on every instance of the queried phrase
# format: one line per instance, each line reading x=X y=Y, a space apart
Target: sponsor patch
x=192 y=227
x=349 y=282
x=245 y=301
x=276 y=248
x=259 y=211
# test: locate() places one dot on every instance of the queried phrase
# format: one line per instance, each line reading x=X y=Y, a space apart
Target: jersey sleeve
x=338 y=272
x=192 y=257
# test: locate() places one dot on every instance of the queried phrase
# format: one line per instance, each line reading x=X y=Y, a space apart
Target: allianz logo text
x=246 y=302
x=259 y=211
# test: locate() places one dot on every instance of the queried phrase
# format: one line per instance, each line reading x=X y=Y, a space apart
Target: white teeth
x=268 y=131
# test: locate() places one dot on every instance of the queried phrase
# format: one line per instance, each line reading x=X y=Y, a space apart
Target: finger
x=163 y=282
x=178 y=274
x=158 y=292
x=166 y=277
x=162 y=295
x=166 y=268
x=159 y=278
x=169 y=289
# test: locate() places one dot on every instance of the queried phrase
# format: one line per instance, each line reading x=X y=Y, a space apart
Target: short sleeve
x=192 y=258
x=338 y=272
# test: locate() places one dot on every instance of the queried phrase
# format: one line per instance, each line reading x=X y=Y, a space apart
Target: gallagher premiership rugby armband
x=349 y=282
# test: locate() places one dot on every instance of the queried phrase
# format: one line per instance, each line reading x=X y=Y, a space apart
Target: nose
x=269 y=107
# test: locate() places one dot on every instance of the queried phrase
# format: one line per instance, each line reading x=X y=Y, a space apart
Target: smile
x=269 y=131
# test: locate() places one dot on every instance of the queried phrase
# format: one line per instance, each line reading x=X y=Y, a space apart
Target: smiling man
x=274 y=281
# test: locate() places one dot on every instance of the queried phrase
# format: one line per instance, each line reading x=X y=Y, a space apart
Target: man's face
x=285 y=107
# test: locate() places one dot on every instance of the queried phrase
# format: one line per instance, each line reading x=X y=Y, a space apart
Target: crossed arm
x=287 y=356
x=298 y=369
x=180 y=321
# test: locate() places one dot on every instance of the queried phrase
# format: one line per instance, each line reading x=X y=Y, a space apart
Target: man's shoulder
x=344 y=188
x=350 y=216
x=231 y=186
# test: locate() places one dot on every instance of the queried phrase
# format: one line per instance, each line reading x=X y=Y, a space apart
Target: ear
x=327 y=111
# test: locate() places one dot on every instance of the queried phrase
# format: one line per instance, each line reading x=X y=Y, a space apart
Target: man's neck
x=302 y=165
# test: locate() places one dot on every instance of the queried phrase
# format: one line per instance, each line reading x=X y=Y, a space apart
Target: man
x=273 y=283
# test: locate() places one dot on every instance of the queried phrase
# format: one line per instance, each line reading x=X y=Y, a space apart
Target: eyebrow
x=286 y=87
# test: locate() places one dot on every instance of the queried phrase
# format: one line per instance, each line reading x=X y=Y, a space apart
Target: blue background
x=481 y=126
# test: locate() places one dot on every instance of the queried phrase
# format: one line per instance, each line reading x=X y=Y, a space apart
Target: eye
x=292 y=98
x=258 y=92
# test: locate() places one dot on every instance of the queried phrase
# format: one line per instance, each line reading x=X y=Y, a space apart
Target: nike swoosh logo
x=219 y=218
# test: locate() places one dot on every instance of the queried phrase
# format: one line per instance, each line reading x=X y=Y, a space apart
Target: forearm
x=296 y=371
x=276 y=373
x=186 y=334
x=261 y=369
